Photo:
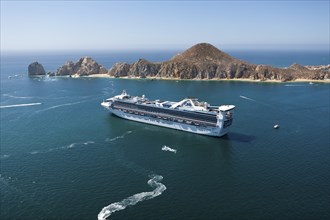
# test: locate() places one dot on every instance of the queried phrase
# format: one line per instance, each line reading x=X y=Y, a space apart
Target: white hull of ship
x=203 y=130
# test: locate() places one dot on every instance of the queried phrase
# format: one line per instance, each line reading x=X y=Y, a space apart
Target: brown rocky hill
x=83 y=67
x=203 y=52
x=204 y=61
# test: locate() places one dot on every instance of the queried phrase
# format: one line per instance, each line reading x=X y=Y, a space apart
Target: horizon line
x=178 y=49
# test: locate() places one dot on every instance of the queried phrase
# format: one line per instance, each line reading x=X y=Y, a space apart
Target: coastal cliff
x=204 y=61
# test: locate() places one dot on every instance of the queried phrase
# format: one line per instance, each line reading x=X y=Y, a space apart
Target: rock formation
x=204 y=61
x=143 y=68
x=83 y=67
x=36 y=69
x=119 y=70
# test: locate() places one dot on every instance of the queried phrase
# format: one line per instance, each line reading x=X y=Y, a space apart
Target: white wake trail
x=18 y=97
x=20 y=105
x=118 y=137
x=244 y=97
x=154 y=182
x=66 y=104
x=69 y=146
x=260 y=103
x=59 y=106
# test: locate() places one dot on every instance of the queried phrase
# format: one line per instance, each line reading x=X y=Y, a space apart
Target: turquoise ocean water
x=65 y=157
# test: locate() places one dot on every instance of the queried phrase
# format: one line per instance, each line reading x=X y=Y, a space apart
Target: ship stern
x=225 y=118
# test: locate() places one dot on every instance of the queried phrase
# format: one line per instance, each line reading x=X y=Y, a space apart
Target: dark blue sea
x=65 y=157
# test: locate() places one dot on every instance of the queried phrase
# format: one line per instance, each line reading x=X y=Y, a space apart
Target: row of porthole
x=164 y=118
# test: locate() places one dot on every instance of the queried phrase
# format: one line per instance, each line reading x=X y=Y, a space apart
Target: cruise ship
x=188 y=114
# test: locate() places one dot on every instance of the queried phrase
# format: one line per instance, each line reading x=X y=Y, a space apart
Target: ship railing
x=168 y=116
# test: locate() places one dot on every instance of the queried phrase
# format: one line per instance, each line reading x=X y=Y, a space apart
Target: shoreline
x=206 y=80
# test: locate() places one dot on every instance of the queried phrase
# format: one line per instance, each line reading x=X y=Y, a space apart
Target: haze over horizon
x=153 y=25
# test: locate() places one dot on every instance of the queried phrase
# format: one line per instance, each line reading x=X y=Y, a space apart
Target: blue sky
x=125 y=25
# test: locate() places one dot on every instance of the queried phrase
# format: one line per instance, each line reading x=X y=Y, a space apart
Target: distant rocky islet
x=202 y=61
x=36 y=68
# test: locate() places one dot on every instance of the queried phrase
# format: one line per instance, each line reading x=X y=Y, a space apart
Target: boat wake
x=67 y=104
x=244 y=97
x=72 y=145
x=20 y=105
x=18 y=97
x=118 y=137
x=59 y=106
x=75 y=144
x=260 y=103
x=154 y=182
x=166 y=148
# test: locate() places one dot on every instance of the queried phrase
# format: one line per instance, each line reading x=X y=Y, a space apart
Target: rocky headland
x=202 y=61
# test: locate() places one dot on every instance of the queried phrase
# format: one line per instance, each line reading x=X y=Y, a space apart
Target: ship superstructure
x=188 y=114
